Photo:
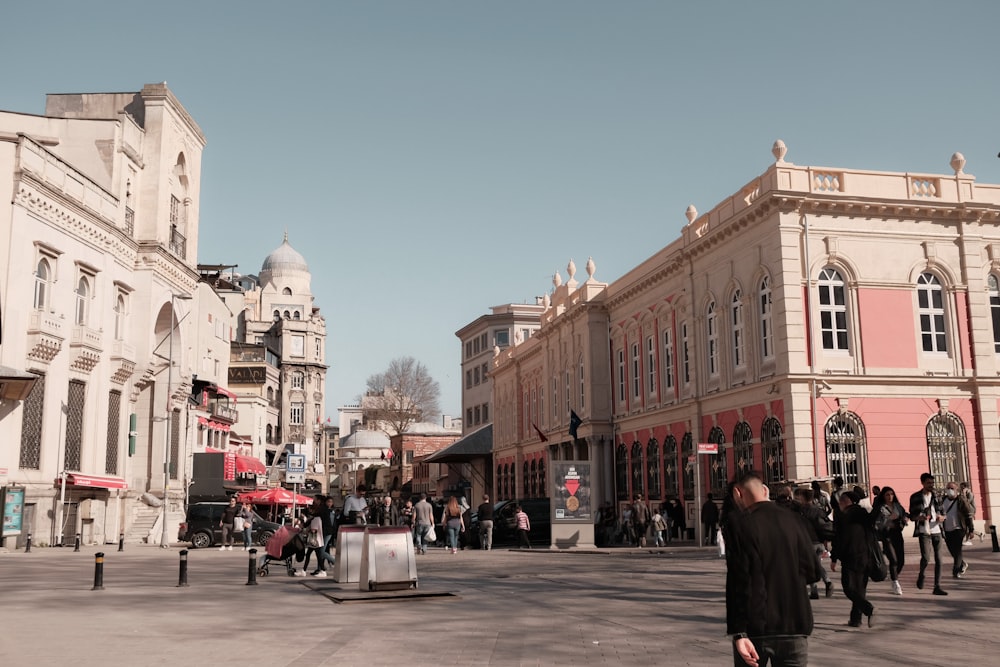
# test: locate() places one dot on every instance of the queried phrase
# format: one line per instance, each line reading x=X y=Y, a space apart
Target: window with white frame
x=541 y=404
x=668 y=360
x=766 y=332
x=621 y=375
x=82 y=300
x=120 y=313
x=298 y=380
x=43 y=284
x=994 y=290
x=636 y=372
x=555 y=400
x=930 y=305
x=832 y=310
x=712 y=339
x=582 y=383
x=651 y=366
x=568 y=374
x=297 y=414
x=736 y=312
x=685 y=354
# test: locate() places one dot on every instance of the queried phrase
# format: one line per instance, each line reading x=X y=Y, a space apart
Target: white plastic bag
x=721 y=542
x=238 y=524
x=431 y=537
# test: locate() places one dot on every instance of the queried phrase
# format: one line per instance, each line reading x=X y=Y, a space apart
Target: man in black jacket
x=850 y=547
x=770 y=562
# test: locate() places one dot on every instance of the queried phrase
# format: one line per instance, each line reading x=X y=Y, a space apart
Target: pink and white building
x=818 y=322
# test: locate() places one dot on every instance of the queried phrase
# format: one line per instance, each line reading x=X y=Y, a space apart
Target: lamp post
x=164 y=538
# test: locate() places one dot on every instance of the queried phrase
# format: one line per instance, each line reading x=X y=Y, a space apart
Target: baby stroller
x=285 y=544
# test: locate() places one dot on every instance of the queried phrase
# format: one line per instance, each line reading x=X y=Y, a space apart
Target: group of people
x=236 y=519
x=637 y=522
x=774 y=552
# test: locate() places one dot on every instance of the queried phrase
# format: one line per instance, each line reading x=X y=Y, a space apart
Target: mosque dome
x=283 y=259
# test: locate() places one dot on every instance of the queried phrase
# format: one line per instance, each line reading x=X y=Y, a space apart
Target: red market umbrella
x=276 y=496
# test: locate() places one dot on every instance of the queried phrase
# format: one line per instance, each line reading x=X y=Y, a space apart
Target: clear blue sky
x=433 y=159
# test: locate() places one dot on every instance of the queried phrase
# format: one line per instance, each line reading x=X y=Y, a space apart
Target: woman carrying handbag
x=453 y=522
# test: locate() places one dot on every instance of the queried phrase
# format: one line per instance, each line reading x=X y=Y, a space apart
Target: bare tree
x=403 y=394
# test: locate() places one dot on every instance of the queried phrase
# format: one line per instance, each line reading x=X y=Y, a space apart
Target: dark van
x=201 y=527
x=539 y=511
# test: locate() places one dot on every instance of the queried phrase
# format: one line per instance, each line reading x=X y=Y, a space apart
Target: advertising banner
x=13 y=510
x=571 y=492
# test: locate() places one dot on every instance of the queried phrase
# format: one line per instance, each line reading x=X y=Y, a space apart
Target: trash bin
x=388 y=561
x=347 y=569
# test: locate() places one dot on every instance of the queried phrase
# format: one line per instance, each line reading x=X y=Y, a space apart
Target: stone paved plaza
x=617 y=607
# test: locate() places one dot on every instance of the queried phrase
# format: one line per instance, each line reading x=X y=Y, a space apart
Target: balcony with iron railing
x=178 y=243
x=220 y=409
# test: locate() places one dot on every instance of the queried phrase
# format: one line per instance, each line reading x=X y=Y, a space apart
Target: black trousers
x=778 y=652
x=892 y=546
x=855 y=583
x=954 y=539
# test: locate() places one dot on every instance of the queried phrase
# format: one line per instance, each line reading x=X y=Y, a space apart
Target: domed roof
x=365 y=438
x=283 y=259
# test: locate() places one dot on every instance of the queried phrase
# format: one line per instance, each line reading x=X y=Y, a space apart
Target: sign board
x=295 y=463
x=708 y=448
x=295 y=477
x=13 y=510
x=571 y=490
x=692 y=458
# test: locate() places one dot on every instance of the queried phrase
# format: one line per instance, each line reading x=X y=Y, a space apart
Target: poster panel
x=571 y=491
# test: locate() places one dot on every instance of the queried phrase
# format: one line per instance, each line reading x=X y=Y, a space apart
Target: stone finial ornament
x=571 y=269
x=779 y=150
x=546 y=302
x=496 y=350
x=591 y=267
x=556 y=279
x=958 y=163
x=691 y=213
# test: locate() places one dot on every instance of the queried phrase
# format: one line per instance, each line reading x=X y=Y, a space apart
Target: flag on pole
x=383 y=455
x=539 y=432
x=574 y=423
x=388 y=454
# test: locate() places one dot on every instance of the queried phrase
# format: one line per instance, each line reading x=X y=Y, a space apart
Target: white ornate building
x=98 y=244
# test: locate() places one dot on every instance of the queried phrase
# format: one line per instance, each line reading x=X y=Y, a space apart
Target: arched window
x=296 y=315
x=287 y=315
x=717 y=478
x=669 y=466
x=638 y=471
x=994 y=290
x=526 y=481
x=82 y=300
x=653 y=468
x=43 y=276
x=287 y=291
x=533 y=480
x=946 y=449
x=930 y=304
x=742 y=449
x=772 y=447
x=499 y=491
x=120 y=317
x=270 y=394
x=832 y=310
x=736 y=312
x=766 y=332
x=277 y=315
x=541 y=478
x=621 y=471
x=668 y=363
x=269 y=434
x=712 y=337
x=687 y=451
x=846 y=448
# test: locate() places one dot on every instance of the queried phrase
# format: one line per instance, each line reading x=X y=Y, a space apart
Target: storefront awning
x=76 y=479
x=476 y=445
x=248 y=464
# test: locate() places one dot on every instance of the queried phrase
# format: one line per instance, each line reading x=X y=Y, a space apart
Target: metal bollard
x=27 y=545
x=996 y=543
x=76 y=545
x=98 y=571
x=252 y=569
x=121 y=542
x=182 y=579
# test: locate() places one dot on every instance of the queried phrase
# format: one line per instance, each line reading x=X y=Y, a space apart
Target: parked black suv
x=505 y=524
x=201 y=527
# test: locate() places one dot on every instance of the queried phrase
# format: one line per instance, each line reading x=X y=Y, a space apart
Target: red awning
x=219 y=389
x=248 y=464
x=76 y=479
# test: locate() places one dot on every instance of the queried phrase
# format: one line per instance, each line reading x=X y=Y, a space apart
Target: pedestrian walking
x=640 y=520
x=485 y=514
x=927 y=516
x=890 y=519
x=769 y=562
x=387 y=514
x=819 y=528
x=228 y=523
x=709 y=519
x=958 y=526
x=453 y=523
x=246 y=515
x=523 y=527
x=659 y=528
x=423 y=521
x=850 y=547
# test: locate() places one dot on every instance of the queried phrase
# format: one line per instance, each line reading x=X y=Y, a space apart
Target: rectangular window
x=668 y=360
x=501 y=338
x=298 y=380
x=567 y=393
x=76 y=401
x=636 y=372
x=114 y=424
x=555 y=401
x=175 y=443
x=477 y=412
x=685 y=355
x=297 y=414
x=32 y=411
x=475 y=375
x=651 y=366
x=319 y=350
x=541 y=405
x=468 y=379
x=525 y=334
x=486 y=412
x=298 y=346
x=468 y=416
x=766 y=345
x=583 y=386
x=475 y=346
x=621 y=375
x=485 y=371
x=468 y=348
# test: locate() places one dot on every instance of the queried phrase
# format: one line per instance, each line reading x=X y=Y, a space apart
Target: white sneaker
x=321 y=574
x=222 y=548
x=299 y=573
x=896 y=588
x=230 y=547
